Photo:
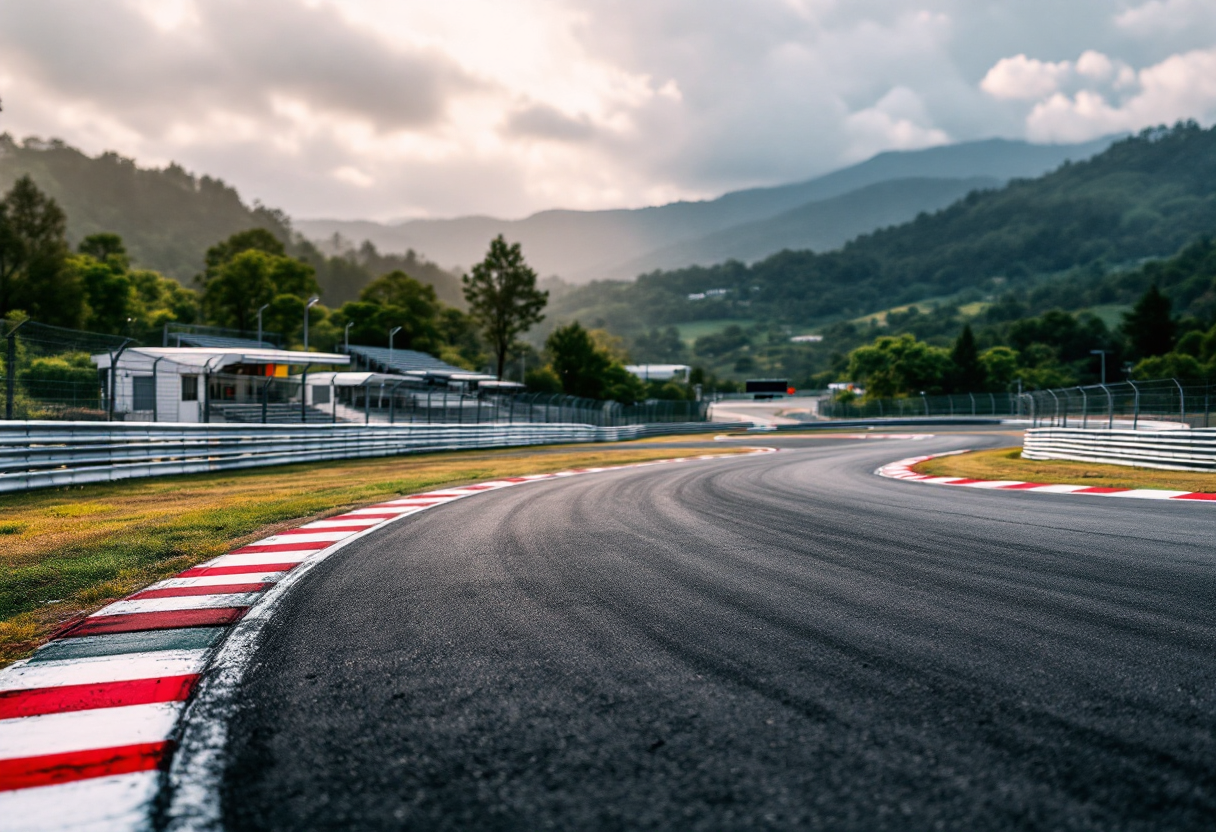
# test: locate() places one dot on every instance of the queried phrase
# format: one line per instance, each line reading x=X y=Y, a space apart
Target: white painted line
x=1149 y=494
x=319 y=536
x=257 y=558
x=384 y=510
x=1058 y=489
x=944 y=480
x=101 y=669
x=994 y=483
x=325 y=524
x=103 y=804
x=180 y=602
x=36 y=736
x=218 y=580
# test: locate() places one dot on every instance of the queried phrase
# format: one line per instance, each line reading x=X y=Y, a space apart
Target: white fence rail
x=46 y=454
x=1174 y=450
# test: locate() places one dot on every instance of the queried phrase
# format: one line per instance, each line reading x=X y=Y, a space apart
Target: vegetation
x=65 y=553
x=1007 y=464
x=169 y=218
x=503 y=298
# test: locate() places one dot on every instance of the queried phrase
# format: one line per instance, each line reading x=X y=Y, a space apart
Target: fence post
x=1084 y=407
x=1110 y=408
x=114 y=378
x=1055 y=422
x=1181 y=401
x=367 y=403
x=1136 y=406
x=10 y=371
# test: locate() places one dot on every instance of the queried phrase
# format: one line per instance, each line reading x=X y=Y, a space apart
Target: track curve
x=775 y=641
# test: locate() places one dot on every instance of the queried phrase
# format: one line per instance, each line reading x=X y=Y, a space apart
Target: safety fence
x=1126 y=403
x=1176 y=450
x=959 y=404
x=43 y=454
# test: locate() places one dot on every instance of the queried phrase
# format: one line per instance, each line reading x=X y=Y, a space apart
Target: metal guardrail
x=1173 y=450
x=46 y=454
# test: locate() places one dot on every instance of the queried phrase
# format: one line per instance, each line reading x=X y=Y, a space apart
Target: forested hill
x=1146 y=196
x=168 y=218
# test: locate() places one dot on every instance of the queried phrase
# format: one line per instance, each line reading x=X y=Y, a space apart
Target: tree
x=104 y=246
x=899 y=365
x=248 y=270
x=588 y=370
x=968 y=376
x=33 y=258
x=503 y=298
x=1149 y=327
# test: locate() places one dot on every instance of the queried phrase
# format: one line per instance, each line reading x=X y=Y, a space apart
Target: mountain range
x=818 y=214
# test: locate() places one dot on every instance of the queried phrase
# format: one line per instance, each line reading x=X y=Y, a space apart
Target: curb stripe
x=171 y=620
x=902 y=470
x=295 y=546
x=49 y=769
x=39 y=701
x=208 y=571
x=200 y=589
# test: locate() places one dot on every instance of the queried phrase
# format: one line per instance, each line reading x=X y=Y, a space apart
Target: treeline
x=168 y=218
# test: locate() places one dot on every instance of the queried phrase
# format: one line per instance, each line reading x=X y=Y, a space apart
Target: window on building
x=143 y=390
x=189 y=388
x=320 y=395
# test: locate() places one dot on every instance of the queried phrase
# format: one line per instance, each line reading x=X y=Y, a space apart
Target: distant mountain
x=585 y=245
x=1145 y=196
x=820 y=226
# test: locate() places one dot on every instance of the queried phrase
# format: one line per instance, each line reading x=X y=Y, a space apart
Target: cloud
x=378 y=108
x=1023 y=78
x=542 y=121
x=1180 y=87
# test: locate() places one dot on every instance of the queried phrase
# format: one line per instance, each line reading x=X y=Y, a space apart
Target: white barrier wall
x=1174 y=450
x=44 y=454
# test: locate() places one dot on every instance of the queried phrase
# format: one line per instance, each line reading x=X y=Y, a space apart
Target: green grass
x=66 y=552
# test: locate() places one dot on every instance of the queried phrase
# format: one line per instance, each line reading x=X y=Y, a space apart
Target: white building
x=197 y=384
x=659 y=372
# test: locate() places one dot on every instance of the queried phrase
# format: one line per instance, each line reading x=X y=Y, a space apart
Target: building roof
x=190 y=339
x=216 y=357
x=657 y=372
x=412 y=362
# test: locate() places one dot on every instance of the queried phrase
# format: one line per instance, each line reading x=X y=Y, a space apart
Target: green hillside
x=1144 y=197
x=168 y=217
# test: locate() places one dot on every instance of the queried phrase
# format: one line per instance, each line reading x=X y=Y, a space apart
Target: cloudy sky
x=401 y=108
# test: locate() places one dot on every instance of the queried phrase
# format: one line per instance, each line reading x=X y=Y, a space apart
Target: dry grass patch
x=1007 y=464
x=66 y=552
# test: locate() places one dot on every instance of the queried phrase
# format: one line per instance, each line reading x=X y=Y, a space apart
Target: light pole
x=1103 y=354
x=346 y=337
x=312 y=301
x=924 y=399
x=261 y=309
x=391 y=333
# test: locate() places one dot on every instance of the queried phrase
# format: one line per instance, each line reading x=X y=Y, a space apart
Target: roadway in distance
x=780 y=641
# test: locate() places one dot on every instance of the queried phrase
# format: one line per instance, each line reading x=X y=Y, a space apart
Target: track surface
x=771 y=642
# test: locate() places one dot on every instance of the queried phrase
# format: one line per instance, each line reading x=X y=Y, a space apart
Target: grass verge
x=1007 y=464
x=66 y=552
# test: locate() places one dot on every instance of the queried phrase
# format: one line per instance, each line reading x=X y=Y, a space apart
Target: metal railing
x=44 y=454
x=906 y=407
x=1123 y=404
x=1176 y=450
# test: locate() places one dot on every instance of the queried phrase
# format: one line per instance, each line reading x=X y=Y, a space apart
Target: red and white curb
x=902 y=470
x=89 y=724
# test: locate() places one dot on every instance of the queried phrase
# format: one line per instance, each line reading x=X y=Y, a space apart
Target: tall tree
x=503 y=298
x=33 y=257
x=968 y=371
x=1149 y=327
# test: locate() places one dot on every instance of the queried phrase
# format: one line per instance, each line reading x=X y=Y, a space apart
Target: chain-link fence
x=959 y=404
x=48 y=373
x=1134 y=404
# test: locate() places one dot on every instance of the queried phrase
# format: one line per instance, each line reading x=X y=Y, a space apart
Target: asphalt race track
x=779 y=641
